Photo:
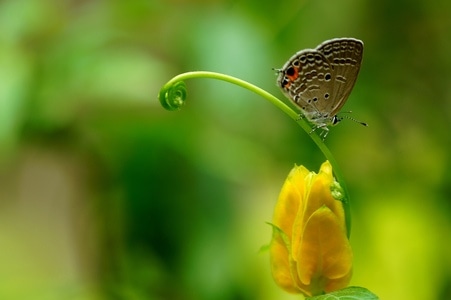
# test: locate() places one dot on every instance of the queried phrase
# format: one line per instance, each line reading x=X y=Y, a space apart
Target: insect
x=320 y=80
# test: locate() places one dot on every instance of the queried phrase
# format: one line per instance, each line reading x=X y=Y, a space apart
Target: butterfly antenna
x=352 y=119
x=277 y=70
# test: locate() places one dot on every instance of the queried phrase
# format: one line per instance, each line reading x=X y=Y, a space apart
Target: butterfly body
x=320 y=80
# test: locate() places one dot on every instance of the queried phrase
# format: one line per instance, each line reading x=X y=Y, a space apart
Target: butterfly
x=320 y=80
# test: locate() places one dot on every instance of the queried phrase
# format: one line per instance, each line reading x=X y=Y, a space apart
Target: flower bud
x=310 y=252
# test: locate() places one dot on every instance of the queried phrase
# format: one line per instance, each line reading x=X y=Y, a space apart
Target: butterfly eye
x=336 y=120
x=327 y=77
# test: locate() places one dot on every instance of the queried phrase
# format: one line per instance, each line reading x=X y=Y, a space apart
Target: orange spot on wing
x=295 y=75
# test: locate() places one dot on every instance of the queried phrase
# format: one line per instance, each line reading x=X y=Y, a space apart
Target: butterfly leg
x=300 y=117
x=324 y=131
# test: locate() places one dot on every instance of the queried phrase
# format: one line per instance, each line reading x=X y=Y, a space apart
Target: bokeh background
x=105 y=195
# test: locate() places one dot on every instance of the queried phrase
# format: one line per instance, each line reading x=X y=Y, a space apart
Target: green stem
x=172 y=96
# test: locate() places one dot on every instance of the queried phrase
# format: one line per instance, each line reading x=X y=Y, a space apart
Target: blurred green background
x=105 y=195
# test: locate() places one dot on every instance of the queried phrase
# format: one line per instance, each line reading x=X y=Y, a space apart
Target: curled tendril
x=172 y=96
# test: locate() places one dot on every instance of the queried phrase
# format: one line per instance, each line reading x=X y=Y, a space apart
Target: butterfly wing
x=345 y=57
x=306 y=79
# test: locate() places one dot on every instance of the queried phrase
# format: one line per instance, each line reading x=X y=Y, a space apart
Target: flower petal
x=320 y=195
x=290 y=199
x=325 y=256
x=281 y=266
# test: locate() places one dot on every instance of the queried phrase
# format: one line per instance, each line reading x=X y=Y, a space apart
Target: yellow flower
x=310 y=252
